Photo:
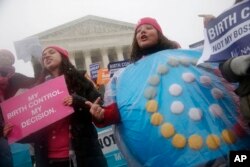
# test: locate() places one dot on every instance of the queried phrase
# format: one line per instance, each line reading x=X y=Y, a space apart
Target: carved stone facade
x=92 y=39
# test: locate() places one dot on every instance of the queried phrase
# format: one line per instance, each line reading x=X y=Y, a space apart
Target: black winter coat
x=243 y=90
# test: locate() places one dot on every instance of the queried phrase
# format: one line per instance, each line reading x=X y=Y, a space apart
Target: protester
x=10 y=83
x=208 y=17
x=237 y=69
x=126 y=105
x=75 y=134
x=5 y=154
x=148 y=39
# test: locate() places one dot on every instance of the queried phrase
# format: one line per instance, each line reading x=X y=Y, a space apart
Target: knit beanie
x=149 y=20
x=61 y=50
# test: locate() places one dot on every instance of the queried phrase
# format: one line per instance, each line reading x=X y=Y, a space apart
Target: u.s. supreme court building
x=91 y=39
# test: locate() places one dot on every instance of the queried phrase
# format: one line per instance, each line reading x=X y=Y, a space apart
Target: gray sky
x=178 y=18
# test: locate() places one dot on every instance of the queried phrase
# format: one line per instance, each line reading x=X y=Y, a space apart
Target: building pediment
x=88 y=26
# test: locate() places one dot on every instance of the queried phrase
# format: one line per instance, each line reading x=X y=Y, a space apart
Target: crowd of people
x=76 y=134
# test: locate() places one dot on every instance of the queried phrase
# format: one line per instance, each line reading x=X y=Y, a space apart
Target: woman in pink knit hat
x=148 y=39
x=74 y=135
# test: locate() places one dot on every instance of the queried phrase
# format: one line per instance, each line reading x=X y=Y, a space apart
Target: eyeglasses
x=3 y=73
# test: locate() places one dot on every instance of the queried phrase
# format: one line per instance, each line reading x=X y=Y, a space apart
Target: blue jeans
x=5 y=153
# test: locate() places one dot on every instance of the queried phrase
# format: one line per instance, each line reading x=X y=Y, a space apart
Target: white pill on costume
x=150 y=92
x=215 y=110
x=162 y=69
x=188 y=77
x=205 y=80
x=173 y=61
x=217 y=93
x=175 y=89
x=177 y=107
x=154 y=80
x=185 y=61
x=195 y=114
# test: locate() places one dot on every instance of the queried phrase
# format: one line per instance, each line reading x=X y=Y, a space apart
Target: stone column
x=105 y=58
x=119 y=53
x=87 y=57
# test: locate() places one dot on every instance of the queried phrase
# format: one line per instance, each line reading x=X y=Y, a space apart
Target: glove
x=240 y=65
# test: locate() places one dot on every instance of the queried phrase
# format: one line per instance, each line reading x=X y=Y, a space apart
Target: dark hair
x=163 y=43
x=75 y=80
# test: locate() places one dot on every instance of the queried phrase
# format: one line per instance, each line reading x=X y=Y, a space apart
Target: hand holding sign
x=36 y=108
x=206 y=18
x=240 y=65
x=96 y=110
x=227 y=35
x=68 y=101
x=7 y=129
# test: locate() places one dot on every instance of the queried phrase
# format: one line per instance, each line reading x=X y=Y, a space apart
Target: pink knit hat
x=149 y=20
x=61 y=50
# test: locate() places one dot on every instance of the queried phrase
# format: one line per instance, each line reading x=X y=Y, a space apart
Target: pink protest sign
x=36 y=108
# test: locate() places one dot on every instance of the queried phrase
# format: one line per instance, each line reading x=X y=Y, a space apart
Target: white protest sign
x=27 y=48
